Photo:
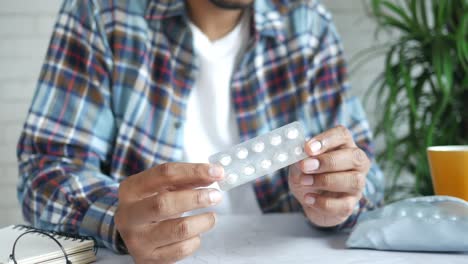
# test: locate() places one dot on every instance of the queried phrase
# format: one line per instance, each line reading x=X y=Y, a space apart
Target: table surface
x=286 y=238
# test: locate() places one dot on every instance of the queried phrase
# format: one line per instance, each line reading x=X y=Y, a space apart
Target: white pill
x=436 y=216
x=403 y=213
x=298 y=151
x=225 y=160
x=265 y=164
x=453 y=218
x=419 y=214
x=232 y=178
x=292 y=133
x=282 y=157
x=242 y=153
x=249 y=170
x=258 y=146
x=275 y=140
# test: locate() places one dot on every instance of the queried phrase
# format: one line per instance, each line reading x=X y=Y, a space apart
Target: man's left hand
x=329 y=183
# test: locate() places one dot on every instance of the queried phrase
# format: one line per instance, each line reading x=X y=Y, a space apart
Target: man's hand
x=151 y=203
x=329 y=183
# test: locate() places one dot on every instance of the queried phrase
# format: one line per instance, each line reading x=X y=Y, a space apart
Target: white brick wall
x=25 y=28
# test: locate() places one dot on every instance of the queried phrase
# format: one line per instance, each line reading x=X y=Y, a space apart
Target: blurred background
x=25 y=28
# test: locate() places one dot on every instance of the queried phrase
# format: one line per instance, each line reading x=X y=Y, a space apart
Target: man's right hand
x=151 y=203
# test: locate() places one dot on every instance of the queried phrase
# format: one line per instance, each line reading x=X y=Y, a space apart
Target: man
x=133 y=95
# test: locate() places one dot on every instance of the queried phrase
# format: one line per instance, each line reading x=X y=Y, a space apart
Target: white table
x=286 y=238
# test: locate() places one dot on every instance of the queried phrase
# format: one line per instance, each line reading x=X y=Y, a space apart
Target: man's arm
x=65 y=154
x=68 y=134
x=345 y=182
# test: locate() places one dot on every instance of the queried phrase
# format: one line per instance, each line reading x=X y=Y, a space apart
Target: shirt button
x=177 y=124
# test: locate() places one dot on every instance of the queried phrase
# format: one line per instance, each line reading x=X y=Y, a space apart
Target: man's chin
x=231 y=4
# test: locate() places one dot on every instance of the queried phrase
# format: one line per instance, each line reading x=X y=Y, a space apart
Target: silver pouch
x=432 y=223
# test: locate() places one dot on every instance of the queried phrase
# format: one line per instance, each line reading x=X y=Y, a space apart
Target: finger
x=337 y=205
x=168 y=176
x=331 y=139
x=294 y=182
x=337 y=160
x=320 y=219
x=294 y=174
x=175 y=252
x=180 y=229
x=352 y=182
x=165 y=205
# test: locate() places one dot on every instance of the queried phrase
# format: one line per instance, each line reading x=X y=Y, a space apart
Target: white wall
x=25 y=27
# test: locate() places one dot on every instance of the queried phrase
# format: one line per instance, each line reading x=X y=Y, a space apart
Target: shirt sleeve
x=329 y=89
x=64 y=149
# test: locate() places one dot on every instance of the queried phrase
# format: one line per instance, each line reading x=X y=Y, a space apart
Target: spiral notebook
x=38 y=246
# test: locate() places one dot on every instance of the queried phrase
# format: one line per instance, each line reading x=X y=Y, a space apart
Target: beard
x=231 y=4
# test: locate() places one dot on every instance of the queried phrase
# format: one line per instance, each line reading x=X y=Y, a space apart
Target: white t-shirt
x=211 y=125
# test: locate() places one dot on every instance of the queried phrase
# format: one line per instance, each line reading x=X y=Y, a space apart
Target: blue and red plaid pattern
x=112 y=93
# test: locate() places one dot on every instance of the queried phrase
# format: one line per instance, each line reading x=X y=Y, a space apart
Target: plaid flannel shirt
x=111 y=99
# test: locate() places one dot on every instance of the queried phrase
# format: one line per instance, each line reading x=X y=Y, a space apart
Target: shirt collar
x=268 y=15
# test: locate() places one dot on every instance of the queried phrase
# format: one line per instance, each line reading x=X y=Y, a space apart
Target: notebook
x=38 y=246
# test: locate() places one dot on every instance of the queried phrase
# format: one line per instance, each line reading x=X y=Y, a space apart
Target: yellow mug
x=449 y=170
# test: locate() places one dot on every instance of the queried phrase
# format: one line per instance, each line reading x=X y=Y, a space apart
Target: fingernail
x=307 y=180
x=215 y=197
x=311 y=165
x=216 y=171
x=310 y=200
x=315 y=146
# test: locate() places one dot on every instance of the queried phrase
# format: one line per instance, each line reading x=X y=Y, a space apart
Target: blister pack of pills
x=262 y=155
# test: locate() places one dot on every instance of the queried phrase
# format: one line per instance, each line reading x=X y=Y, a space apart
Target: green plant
x=422 y=94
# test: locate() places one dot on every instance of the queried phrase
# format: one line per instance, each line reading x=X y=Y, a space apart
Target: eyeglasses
x=54 y=236
x=13 y=257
